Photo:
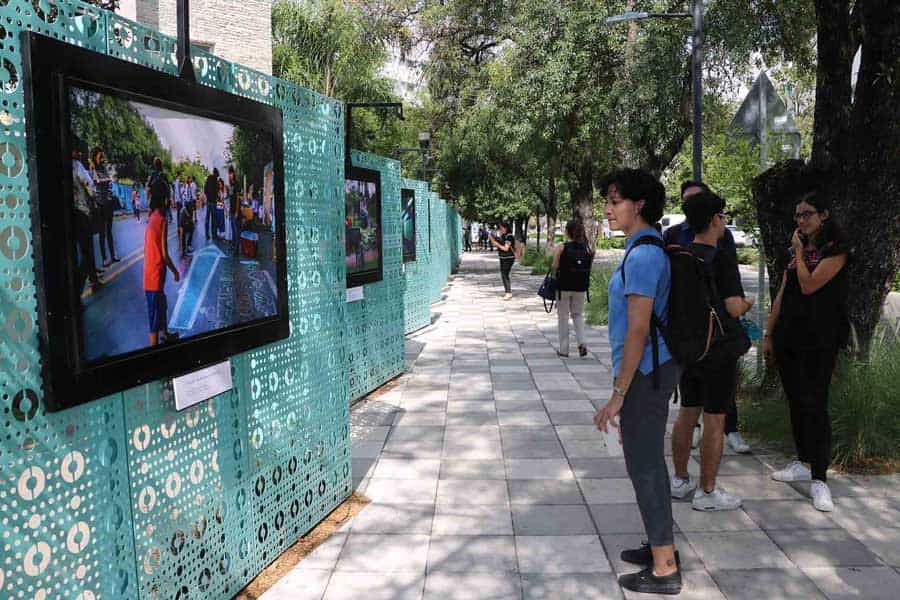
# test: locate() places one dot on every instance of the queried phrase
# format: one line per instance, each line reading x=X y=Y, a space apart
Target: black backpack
x=698 y=326
x=575 y=264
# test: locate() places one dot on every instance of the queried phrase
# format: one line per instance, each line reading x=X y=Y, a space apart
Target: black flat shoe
x=645 y=582
x=582 y=351
x=643 y=556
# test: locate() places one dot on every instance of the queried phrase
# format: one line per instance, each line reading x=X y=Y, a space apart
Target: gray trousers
x=643 y=422
x=570 y=304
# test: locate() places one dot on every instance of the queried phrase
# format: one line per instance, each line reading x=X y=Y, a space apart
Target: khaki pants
x=570 y=303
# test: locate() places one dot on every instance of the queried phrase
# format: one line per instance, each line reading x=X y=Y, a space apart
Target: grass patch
x=596 y=312
x=537 y=259
x=613 y=243
x=748 y=256
x=863 y=404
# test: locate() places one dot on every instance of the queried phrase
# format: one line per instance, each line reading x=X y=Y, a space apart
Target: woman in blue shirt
x=640 y=288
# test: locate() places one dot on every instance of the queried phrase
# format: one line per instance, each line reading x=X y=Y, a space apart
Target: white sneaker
x=793 y=472
x=737 y=443
x=718 y=499
x=681 y=488
x=821 y=496
x=695 y=440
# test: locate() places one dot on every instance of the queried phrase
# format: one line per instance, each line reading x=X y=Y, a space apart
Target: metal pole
x=183 y=47
x=761 y=121
x=697 y=69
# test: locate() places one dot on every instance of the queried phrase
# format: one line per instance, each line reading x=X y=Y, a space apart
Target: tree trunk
x=552 y=208
x=854 y=158
x=582 y=193
x=538 y=226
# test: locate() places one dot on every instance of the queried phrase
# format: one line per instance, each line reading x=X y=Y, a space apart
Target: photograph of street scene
x=361 y=227
x=408 y=223
x=173 y=220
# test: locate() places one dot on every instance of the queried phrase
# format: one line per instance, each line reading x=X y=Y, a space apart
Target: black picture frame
x=407 y=200
x=51 y=67
x=376 y=274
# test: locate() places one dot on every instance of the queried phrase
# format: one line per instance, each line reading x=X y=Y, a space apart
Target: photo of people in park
x=361 y=226
x=408 y=223
x=173 y=218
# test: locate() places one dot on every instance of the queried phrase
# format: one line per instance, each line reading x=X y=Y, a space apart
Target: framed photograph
x=362 y=227
x=408 y=223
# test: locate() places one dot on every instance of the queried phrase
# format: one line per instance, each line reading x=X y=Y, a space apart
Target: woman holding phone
x=807 y=327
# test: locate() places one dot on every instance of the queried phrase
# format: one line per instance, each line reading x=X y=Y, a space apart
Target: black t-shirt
x=507 y=254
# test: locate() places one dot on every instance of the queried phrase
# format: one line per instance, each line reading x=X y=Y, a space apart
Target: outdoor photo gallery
x=173 y=223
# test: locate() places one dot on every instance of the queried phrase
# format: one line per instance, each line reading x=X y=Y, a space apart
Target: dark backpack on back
x=697 y=324
x=575 y=268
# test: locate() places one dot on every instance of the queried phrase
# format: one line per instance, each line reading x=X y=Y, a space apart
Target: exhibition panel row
x=179 y=348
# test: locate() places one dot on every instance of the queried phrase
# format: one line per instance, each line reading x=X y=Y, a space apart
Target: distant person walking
x=467 y=237
x=107 y=203
x=83 y=191
x=136 y=203
x=807 y=325
x=572 y=262
x=483 y=236
x=707 y=385
x=234 y=208
x=156 y=261
x=505 y=243
x=211 y=191
x=158 y=187
x=645 y=373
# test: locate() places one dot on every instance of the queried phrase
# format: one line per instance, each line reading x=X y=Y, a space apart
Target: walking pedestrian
x=234 y=208
x=158 y=188
x=136 y=203
x=707 y=384
x=572 y=262
x=82 y=198
x=505 y=243
x=807 y=326
x=107 y=203
x=211 y=191
x=645 y=373
x=682 y=235
x=483 y=236
x=467 y=237
x=156 y=261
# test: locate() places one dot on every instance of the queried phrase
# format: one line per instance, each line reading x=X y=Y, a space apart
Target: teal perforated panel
x=416 y=296
x=125 y=498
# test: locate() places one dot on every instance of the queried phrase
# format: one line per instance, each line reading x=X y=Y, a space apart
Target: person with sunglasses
x=807 y=326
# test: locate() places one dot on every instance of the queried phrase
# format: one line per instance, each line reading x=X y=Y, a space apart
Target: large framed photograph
x=362 y=226
x=408 y=223
x=158 y=207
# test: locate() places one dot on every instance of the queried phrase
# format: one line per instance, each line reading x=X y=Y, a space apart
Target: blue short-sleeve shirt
x=647 y=274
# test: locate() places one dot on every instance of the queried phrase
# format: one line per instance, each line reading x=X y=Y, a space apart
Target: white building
x=239 y=31
x=407 y=71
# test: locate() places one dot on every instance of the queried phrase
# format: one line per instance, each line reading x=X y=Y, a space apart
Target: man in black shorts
x=702 y=384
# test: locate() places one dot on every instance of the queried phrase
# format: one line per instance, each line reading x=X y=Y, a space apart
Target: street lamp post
x=696 y=68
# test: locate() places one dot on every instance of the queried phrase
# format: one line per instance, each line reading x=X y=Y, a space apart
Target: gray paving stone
x=325 y=555
x=427 y=448
x=587 y=431
x=884 y=542
x=380 y=585
x=561 y=554
x=362 y=467
x=532 y=449
x=519 y=404
x=757 y=487
x=472 y=491
x=540 y=433
x=523 y=418
x=451 y=519
x=479 y=448
x=615 y=543
x=391 y=553
x=563 y=395
x=464 y=586
x=572 y=418
x=472 y=419
x=538 y=468
x=299 y=585
x=370 y=433
x=405 y=432
x=742 y=465
x=617 y=518
x=607 y=491
x=689 y=519
x=544 y=491
x=851 y=583
x=787 y=514
x=598 y=468
x=823 y=548
x=536 y=519
x=584 y=586
x=407 y=468
x=472 y=469
x=465 y=553
x=393 y=518
x=563 y=406
x=738 y=550
x=416 y=404
x=402 y=491
x=595 y=448
x=421 y=419
x=771 y=584
x=865 y=516
x=469 y=406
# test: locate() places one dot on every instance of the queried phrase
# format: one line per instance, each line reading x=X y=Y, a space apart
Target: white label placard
x=355 y=294
x=201 y=385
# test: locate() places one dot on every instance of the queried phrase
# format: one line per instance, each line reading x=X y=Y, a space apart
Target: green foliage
x=863 y=404
x=112 y=124
x=250 y=151
x=895 y=285
x=541 y=264
x=185 y=168
x=613 y=243
x=748 y=256
x=597 y=310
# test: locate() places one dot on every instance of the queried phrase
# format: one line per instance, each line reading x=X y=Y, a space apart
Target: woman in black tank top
x=572 y=263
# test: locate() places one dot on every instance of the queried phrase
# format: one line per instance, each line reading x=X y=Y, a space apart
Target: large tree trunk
x=854 y=159
x=552 y=209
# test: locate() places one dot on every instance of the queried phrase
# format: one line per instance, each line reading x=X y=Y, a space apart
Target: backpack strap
x=656 y=326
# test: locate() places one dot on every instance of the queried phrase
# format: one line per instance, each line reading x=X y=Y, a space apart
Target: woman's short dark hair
x=691 y=183
x=505 y=226
x=699 y=210
x=831 y=230
x=638 y=184
x=575 y=231
x=157 y=202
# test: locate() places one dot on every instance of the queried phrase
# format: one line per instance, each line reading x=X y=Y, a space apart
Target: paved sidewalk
x=488 y=480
